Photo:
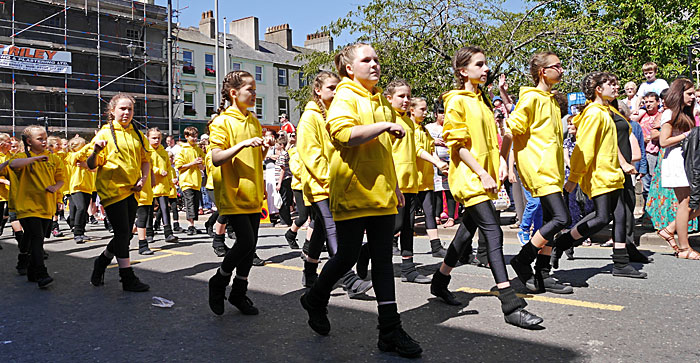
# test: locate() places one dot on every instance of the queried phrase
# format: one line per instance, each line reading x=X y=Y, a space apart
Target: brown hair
x=321 y=78
x=191 y=131
x=154 y=129
x=650 y=66
x=346 y=56
x=393 y=85
x=234 y=80
x=591 y=81
x=461 y=59
x=415 y=100
x=537 y=62
x=563 y=102
x=110 y=117
x=682 y=117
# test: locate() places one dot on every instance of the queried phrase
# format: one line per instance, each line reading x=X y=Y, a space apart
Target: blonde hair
x=26 y=135
x=75 y=144
x=650 y=66
x=4 y=137
x=319 y=80
x=347 y=56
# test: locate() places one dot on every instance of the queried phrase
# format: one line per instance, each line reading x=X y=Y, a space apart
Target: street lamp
x=132 y=50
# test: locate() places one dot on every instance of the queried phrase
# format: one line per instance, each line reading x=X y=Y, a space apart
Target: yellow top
x=594 y=161
x=65 y=189
x=118 y=171
x=32 y=182
x=424 y=142
x=469 y=124
x=296 y=167
x=239 y=189
x=538 y=143
x=82 y=179
x=405 y=151
x=160 y=162
x=4 y=177
x=172 y=175
x=212 y=171
x=362 y=177
x=145 y=196
x=314 y=148
x=191 y=178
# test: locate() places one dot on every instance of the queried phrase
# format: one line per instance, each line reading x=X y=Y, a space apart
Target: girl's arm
x=665 y=138
x=636 y=151
x=21 y=163
x=92 y=159
x=626 y=167
x=55 y=187
x=219 y=157
x=145 y=172
x=434 y=160
x=364 y=133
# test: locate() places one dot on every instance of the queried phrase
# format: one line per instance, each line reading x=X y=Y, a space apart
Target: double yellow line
x=166 y=253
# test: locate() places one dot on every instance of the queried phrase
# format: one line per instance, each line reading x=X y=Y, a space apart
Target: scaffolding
x=42 y=34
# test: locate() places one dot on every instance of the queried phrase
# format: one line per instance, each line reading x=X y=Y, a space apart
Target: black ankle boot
x=291 y=238
x=310 y=274
x=621 y=266
x=143 y=248
x=542 y=281
x=564 y=242
x=395 y=246
x=22 y=263
x=41 y=277
x=169 y=236
x=437 y=249
x=635 y=255
x=514 y=312
x=18 y=236
x=150 y=234
x=392 y=337
x=239 y=299
x=522 y=261
x=130 y=282
x=217 y=292
x=438 y=287
x=410 y=274
x=318 y=315
x=98 y=272
x=219 y=245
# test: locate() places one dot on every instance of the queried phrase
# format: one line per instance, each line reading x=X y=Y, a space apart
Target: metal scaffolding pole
x=99 y=71
x=217 y=70
x=145 y=60
x=225 y=51
x=170 y=67
x=14 y=123
x=65 y=75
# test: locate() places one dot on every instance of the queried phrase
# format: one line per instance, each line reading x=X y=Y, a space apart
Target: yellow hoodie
x=314 y=148
x=4 y=176
x=212 y=171
x=405 y=151
x=538 y=142
x=424 y=142
x=362 y=177
x=160 y=162
x=81 y=179
x=118 y=171
x=470 y=124
x=191 y=178
x=145 y=196
x=296 y=167
x=239 y=189
x=594 y=160
x=32 y=181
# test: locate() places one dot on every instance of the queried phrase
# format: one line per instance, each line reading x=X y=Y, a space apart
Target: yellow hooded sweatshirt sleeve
x=405 y=152
x=4 y=188
x=424 y=142
x=296 y=167
x=362 y=177
x=213 y=172
x=145 y=196
x=160 y=164
x=32 y=181
x=470 y=124
x=82 y=179
x=118 y=170
x=594 y=160
x=192 y=177
x=538 y=144
x=315 y=149
x=239 y=189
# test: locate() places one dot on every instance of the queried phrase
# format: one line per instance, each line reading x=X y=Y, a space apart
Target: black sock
x=19 y=235
x=620 y=257
x=389 y=318
x=219 y=241
x=509 y=300
x=528 y=253
x=542 y=263
x=310 y=267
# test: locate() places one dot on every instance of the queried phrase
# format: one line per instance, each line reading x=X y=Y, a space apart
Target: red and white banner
x=35 y=60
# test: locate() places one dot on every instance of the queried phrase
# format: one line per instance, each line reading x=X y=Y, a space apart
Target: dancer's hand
x=570 y=186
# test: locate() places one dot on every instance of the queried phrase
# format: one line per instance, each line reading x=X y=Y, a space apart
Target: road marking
x=172 y=252
x=552 y=300
x=284 y=267
x=164 y=255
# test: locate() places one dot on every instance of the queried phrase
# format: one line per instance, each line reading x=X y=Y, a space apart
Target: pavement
x=606 y=319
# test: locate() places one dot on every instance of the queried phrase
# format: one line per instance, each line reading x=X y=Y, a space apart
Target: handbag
x=503 y=201
x=277 y=199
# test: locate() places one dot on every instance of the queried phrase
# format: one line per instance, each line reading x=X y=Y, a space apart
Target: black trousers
x=482 y=216
x=555 y=215
x=121 y=215
x=173 y=209
x=78 y=216
x=302 y=209
x=33 y=240
x=192 y=198
x=144 y=217
x=350 y=234
x=287 y=200
x=240 y=256
x=404 y=224
x=607 y=207
x=426 y=200
x=324 y=230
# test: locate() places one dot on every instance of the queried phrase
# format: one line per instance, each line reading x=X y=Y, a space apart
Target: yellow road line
x=552 y=300
x=133 y=262
x=172 y=252
x=284 y=267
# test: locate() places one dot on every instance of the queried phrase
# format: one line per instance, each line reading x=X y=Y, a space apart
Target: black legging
x=426 y=199
x=404 y=224
x=240 y=256
x=630 y=200
x=163 y=209
x=555 y=215
x=33 y=239
x=287 y=200
x=324 y=230
x=451 y=204
x=173 y=208
x=121 y=215
x=350 y=234
x=607 y=207
x=79 y=203
x=481 y=216
x=144 y=216
x=215 y=217
x=302 y=209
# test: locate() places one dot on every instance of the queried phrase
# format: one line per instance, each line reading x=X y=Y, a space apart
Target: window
x=188 y=102
x=188 y=65
x=258 y=73
x=210 y=104
x=260 y=108
x=133 y=34
x=281 y=77
x=209 y=69
x=56 y=21
x=302 y=80
x=283 y=106
x=235 y=66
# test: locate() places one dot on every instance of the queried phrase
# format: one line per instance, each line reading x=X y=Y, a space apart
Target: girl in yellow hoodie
x=162 y=180
x=364 y=193
x=476 y=169
x=7 y=177
x=54 y=145
x=82 y=183
x=596 y=167
x=237 y=148
x=39 y=178
x=119 y=154
x=538 y=148
x=144 y=211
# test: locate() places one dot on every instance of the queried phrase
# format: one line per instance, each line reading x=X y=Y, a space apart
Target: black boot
x=41 y=276
x=108 y=226
x=310 y=275
x=392 y=337
x=130 y=282
x=542 y=281
x=621 y=266
x=291 y=238
x=150 y=234
x=562 y=243
x=239 y=299
x=635 y=255
x=210 y=229
x=522 y=261
x=22 y=263
x=176 y=227
x=438 y=287
x=318 y=315
x=143 y=248
x=219 y=245
x=410 y=274
x=437 y=249
x=514 y=312
x=169 y=236
x=98 y=272
x=395 y=246
x=217 y=292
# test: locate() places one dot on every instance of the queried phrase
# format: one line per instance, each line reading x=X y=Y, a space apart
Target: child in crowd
x=190 y=163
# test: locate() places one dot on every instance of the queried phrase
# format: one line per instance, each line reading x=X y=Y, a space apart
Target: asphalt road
x=607 y=319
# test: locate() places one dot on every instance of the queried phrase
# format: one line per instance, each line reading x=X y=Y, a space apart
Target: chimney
x=207 y=24
x=280 y=34
x=320 y=41
x=246 y=29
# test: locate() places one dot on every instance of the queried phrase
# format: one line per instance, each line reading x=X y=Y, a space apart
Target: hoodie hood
x=525 y=90
x=459 y=92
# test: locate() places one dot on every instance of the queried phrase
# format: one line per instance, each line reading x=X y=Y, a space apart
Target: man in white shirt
x=652 y=84
x=173 y=147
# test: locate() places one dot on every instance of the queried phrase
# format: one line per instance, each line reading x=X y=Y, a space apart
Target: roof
x=268 y=52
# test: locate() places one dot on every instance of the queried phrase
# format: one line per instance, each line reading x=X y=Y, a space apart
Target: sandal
x=670 y=239
x=690 y=254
